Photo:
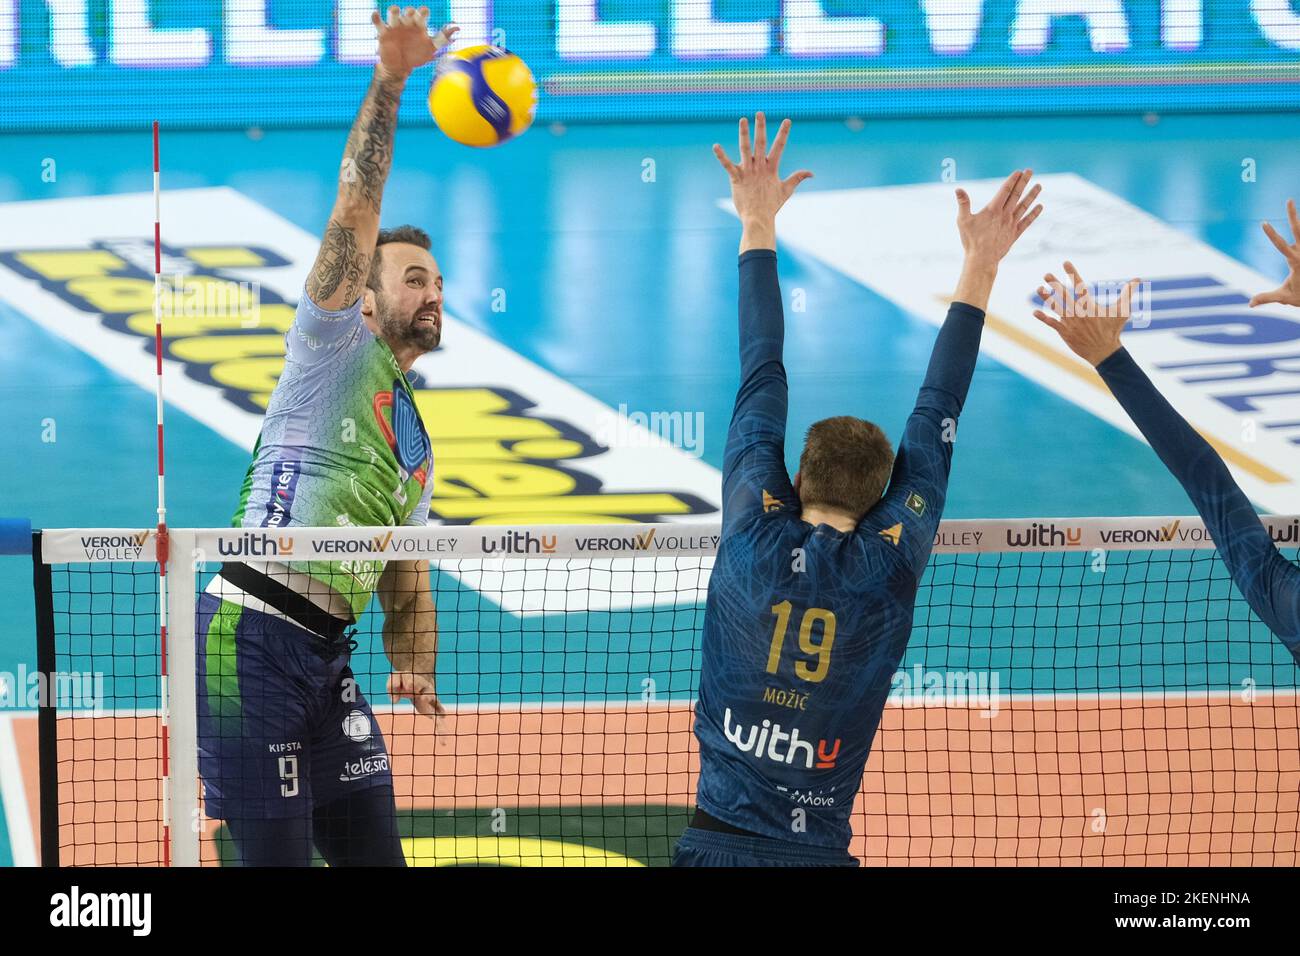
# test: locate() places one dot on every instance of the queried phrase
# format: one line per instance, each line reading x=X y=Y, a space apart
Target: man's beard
x=399 y=331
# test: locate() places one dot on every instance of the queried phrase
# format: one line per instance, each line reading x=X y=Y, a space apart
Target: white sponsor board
x=901 y=242
x=645 y=542
x=599 y=567
x=550 y=569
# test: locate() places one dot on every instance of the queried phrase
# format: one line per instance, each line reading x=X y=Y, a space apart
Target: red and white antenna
x=161 y=542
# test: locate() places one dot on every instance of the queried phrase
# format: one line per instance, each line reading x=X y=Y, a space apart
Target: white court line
x=13 y=795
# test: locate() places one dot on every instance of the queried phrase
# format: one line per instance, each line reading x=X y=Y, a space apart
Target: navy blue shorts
x=710 y=848
x=282 y=724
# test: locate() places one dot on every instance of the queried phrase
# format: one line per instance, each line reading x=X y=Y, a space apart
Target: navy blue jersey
x=805 y=626
x=1268 y=581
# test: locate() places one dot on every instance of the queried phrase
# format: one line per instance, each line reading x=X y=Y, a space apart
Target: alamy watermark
x=181 y=295
x=926 y=688
x=78 y=908
x=65 y=690
x=635 y=429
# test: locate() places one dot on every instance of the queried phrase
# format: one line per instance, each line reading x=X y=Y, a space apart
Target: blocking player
x=1267 y=580
x=289 y=751
x=810 y=603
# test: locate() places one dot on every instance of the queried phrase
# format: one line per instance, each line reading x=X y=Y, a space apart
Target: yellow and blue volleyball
x=483 y=96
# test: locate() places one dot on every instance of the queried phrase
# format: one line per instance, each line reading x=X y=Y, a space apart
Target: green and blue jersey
x=342 y=443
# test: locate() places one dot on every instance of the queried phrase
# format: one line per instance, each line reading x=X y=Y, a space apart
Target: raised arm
x=754 y=459
x=1269 y=582
x=918 y=487
x=339 y=273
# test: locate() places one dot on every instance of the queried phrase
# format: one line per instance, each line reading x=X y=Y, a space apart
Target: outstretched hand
x=1288 y=293
x=404 y=40
x=1091 y=329
x=757 y=188
x=988 y=235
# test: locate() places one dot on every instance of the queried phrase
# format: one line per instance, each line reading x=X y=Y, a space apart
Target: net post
x=180 y=702
x=47 y=717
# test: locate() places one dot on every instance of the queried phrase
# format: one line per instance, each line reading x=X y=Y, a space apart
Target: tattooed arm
x=339 y=273
x=343 y=262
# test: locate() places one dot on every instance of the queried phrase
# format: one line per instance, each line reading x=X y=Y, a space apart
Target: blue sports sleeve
x=315 y=331
x=1268 y=581
x=754 y=477
x=910 y=510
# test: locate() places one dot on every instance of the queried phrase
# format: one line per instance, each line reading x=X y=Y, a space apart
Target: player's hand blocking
x=1288 y=293
x=757 y=189
x=988 y=235
x=404 y=40
x=1090 y=328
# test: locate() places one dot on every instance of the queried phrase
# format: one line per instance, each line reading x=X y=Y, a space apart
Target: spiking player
x=810 y=602
x=1268 y=581
x=289 y=751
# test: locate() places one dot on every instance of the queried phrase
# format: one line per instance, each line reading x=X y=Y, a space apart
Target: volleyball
x=483 y=96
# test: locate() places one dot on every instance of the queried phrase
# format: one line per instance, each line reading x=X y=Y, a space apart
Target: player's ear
x=368 y=310
x=796 y=482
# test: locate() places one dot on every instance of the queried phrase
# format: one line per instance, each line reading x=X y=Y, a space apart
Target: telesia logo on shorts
x=764 y=740
x=363 y=767
x=356 y=726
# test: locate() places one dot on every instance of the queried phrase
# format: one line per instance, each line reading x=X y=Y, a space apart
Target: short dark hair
x=413 y=235
x=845 y=465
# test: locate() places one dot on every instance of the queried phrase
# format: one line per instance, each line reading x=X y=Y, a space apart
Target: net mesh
x=1116 y=706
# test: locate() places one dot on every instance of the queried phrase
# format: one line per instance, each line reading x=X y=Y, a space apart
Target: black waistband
x=288 y=602
x=702 y=821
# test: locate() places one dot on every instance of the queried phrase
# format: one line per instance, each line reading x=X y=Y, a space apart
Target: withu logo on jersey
x=764 y=740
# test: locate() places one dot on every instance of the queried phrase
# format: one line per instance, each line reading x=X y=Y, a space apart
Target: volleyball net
x=1075 y=692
